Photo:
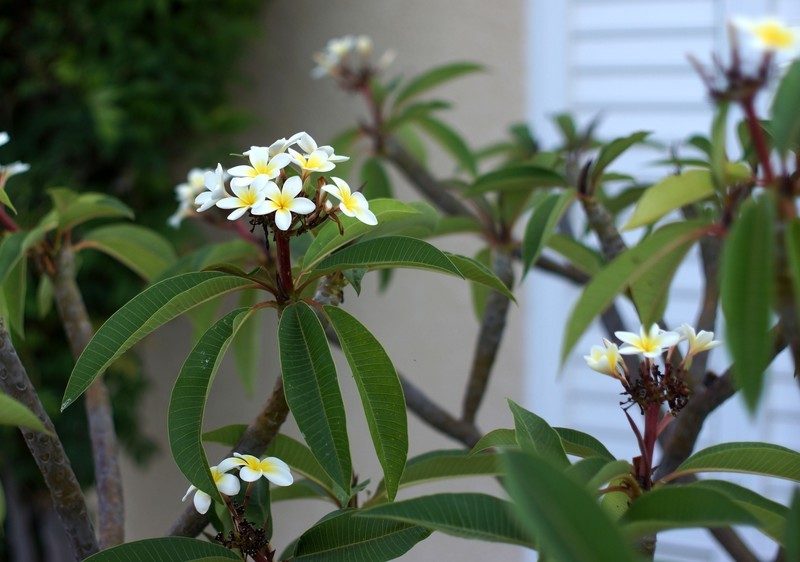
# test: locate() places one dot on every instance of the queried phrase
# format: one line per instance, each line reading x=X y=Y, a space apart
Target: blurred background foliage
x=120 y=97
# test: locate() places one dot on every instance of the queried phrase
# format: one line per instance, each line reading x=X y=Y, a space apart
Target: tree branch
x=99 y=414
x=489 y=338
x=48 y=453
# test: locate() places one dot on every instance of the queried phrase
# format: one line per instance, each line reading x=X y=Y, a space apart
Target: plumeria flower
x=284 y=202
x=185 y=193
x=261 y=166
x=332 y=57
x=307 y=143
x=770 y=34
x=351 y=204
x=214 y=182
x=605 y=359
x=4 y=138
x=250 y=197
x=315 y=158
x=10 y=169
x=271 y=468
x=650 y=343
x=698 y=343
x=226 y=483
x=280 y=145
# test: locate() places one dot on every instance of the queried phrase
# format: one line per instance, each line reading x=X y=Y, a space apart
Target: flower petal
x=283 y=219
x=302 y=206
x=292 y=186
x=202 y=502
x=248 y=474
x=228 y=484
x=307 y=143
x=188 y=492
x=243 y=170
x=229 y=463
x=277 y=471
x=237 y=214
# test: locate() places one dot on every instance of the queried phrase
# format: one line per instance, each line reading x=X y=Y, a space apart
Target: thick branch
x=48 y=453
x=602 y=223
x=254 y=441
x=435 y=416
x=489 y=338
x=448 y=203
x=99 y=414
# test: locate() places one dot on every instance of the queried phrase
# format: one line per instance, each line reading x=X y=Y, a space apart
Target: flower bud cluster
x=273 y=187
x=654 y=384
x=349 y=60
x=250 y=468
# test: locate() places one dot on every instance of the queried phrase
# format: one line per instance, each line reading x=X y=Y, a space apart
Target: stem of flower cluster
x=6 y=222
x=284 y=265
x=759 y=142
x=650 y=436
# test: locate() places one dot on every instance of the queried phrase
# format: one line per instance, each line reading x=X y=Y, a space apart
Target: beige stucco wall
x=424 y=321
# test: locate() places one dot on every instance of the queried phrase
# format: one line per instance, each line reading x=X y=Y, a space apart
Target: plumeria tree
x=306 y=234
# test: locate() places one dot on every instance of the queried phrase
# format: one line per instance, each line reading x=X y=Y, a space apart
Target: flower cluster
x=8 y=170
x=251 y=469
x=272 y=187
x=653 y=385
x=348 y=59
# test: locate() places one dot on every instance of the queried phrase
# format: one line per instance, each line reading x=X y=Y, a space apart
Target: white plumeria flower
x=605 y=359
x=271 y=468
x=226 y=483
x=333 y=56
x=214 y=183
x=698 y=342
x=364 y=46
x=650 y=343
x=351 y=204
x=307 y=143
x=284 y=202
x=770 y=34
x=262 y=166
x=185 y=193
x=250 y=197
x=4 y=138
x=15 y=167
x=280 y=145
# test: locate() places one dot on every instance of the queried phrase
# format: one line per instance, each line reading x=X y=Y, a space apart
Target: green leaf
x=747 y=287
x=474 y=271
x=441 y=465
x=174 y=549
x=433 y=78
x=299 y=490
x=612 y=151
x=142 y=250
x=469 y=516
x=345 y=537
x=582 y=444
x=480 y=292
x=233 y=251
x=44 y=296
x=144 y=313
x=581 y=256
x=563 y=517
x=718 y=154
x=541 y=225
x=626 y=269
x=302 y=461
x=381 y=394
x=524 y=177
x=671 y=193
x=784 y=124
x=586 y=469
x=312 y=391
x=189 y=396
x=413 y=111
x=259 y=508
x=376 y=181
x=328 y=239
x=227 y=435
x=12 y=297
x=383 y=253
x=650 y=292
x=680 y=507
x=792 y=537
x=496 y=439
x=612 y=471
x=771 y=515
x=748 y=457
x=15 y=413
x=73 y=209
x=536 y=436
x=792 y=242
x=14 y=247
x=450 y=141
x=411 y=141
x=5 y=200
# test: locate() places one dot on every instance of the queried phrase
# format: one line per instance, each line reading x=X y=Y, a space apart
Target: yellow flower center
x=249 y=197
x=313 y=163
x=774 y=35
x=282 y=202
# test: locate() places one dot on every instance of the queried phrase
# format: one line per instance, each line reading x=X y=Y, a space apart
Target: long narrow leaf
x=312 y=391
x=142 y=250
x=189 y=396
x=540 y=226
x=751 y=458
x=535 y=435
x=381 y=394
x=433 y=78
x=345 y=537
x=174 y=549
x=13 y=412
x=671 y=193
x=563 y=517
x=467 y=515
x=747 y=293
x=141 y=315
x=450 y=141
